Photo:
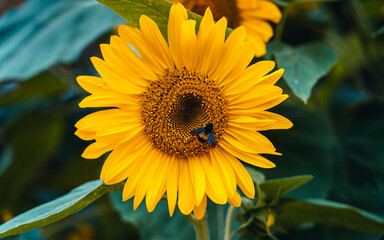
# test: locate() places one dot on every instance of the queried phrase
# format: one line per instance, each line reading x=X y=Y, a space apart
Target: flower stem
x=201 y=228
x=280 y=26
x=228 y=222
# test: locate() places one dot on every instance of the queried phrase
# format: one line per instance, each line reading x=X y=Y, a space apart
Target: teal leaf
x=293 y=213
x=304 y=65
x=41 y=33
x=57 y=209
x=274 y=189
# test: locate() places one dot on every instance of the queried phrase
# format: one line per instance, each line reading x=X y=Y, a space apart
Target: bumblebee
x=205 y=134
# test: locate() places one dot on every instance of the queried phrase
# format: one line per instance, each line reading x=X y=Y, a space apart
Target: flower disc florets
x=180 y=101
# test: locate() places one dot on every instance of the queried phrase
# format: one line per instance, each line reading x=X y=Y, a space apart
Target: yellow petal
x=235 y=201
x=133 y=37
x=119 y=164
x=186 y=195
x=158 y=180
x=250 y=123
x=120 y=136
x=251 y=158
x=115 y=79
x=117 y=127
x=109 y=99
x=215 y=187
x=214 y=47
x=93 y=84
x=248 y=141
x=155 y=42
x=172 y=184
x=90 y=124
x=188 y=44
x=198 y=178
x=235 y=61
x=262 y=28
x=177 y=16
x=261 y=48
x=248 y=78
x=205 y=28
x=220 y=163
x=259 y=9
x=117 y=62
x=256 y=96
x=132 y=185
x=243 y=178
x=132 y=61
x=199 y=210
x=280 y=122
x=96 y=149
x=272 y=78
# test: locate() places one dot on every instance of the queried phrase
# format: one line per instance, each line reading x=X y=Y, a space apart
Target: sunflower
x=161 y=103
x=252 y=14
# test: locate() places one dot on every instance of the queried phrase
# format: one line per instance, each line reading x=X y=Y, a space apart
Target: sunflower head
x=181 y=113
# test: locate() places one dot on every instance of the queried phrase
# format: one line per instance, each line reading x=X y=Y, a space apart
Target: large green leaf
x=274 y=189
x=304 y=64
x=57 y=209
x=131 y=10
x=42 y=33
x=292 y=213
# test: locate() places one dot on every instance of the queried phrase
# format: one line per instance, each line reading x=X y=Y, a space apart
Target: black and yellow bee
x=205 y=134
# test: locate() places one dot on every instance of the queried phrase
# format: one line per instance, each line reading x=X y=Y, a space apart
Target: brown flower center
x=179 y=102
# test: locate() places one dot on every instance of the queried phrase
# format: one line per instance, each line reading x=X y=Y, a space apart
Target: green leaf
x=131 y=10
x=293 y=213
x=158 y=11
x=304 y=65
x=58 y=33
x=274 y=189
x=57 y=209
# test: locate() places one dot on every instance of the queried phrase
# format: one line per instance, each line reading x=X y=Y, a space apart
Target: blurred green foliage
x=334 y=49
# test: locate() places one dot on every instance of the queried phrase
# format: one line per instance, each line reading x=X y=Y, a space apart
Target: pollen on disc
x=177 y=103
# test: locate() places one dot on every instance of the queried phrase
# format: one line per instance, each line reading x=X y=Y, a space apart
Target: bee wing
x=211 y=140
x=197 y=131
